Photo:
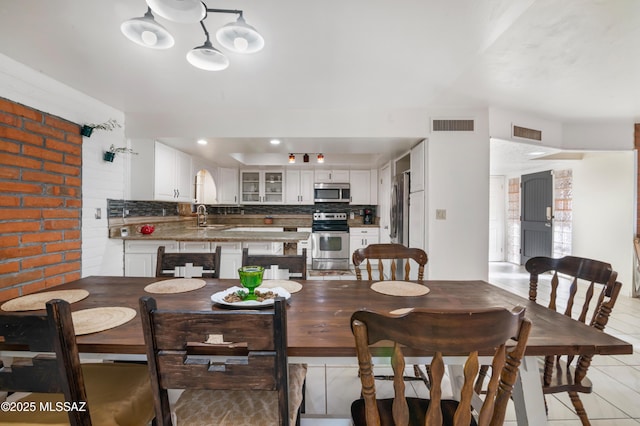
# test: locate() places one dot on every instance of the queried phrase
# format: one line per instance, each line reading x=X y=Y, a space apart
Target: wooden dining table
x=319 y=330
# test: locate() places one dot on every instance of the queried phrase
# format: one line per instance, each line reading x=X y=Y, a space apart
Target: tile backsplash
x=133 y=208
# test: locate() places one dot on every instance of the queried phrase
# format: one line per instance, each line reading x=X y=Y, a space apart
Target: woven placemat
x=399 y=288
x=37 y=301
x=177 y=285
x=92 y=320
x=401 y=311
x=290 y=286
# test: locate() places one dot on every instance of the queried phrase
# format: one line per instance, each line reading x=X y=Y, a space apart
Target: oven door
x=330 y=250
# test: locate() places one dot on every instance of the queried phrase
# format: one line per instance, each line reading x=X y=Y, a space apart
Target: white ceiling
x=565 y=60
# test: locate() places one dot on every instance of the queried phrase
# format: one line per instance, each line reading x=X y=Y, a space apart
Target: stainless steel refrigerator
x=400 y=209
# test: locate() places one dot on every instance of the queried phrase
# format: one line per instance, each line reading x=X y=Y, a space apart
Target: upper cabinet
x=418 y=161
x=258 y=187
x=173 y=178
x=161 y=173
x=299 y=187
x=227 y=186
x=363 y=185
x=327 y=176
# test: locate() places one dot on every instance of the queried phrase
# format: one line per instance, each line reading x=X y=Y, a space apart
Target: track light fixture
x=237 y=36
x=305 y=157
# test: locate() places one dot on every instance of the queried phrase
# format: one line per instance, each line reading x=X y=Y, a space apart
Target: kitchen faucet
x=201 y=212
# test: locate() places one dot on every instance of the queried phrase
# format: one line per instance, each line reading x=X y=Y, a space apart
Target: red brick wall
x=40 y=200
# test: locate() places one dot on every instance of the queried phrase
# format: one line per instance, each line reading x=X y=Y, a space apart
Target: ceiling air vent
x=523 y=132
x=452 y=125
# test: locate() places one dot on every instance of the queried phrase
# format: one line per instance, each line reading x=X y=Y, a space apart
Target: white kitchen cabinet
x=140 y=257
x=328 y=176
x=299 y=187
x=263 y=247
x=363 y=186
x=417 y=167
x=416 y=226
x=260 y=187
x=305 y=244
x=195 y=247
x=230 y=259
x=173 y=178
x=161 y=173
x=227 y=186
x=360 y=237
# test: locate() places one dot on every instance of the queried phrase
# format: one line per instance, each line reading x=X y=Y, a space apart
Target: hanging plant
x=111 y=154
x=87 y=129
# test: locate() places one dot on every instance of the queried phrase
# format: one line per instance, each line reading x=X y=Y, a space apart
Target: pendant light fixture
x=305 y=157
x=238 y=36
x=182 y=11
x=207 y=57
x=147 y=32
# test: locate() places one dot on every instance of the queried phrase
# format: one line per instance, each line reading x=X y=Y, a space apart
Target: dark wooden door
x=536 y=215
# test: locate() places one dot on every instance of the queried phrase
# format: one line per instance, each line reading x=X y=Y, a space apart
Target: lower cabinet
x=360 y=237
x=140 y=257
x=305 y=244
x=231 y=259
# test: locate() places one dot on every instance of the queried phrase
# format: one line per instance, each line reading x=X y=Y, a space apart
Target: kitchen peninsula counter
x=220 y=235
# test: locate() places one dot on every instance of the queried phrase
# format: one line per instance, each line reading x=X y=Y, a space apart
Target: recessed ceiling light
x=274 y=141
x=202 y=141
x=536 y=153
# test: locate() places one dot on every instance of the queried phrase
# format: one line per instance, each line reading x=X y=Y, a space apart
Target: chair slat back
x=58 y=372
x=231 y=350
x=589 y=284
x=393 y=252
x=441 y=333
x=167 y=262
x=296 y=264
x=575 y=281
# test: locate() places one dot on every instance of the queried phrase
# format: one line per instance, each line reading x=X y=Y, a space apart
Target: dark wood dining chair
x=296 y=264
x=232 y=365
x=167 y=262
x=114 y=393
x=391 y=252
x=585 y=290
x=439 y=333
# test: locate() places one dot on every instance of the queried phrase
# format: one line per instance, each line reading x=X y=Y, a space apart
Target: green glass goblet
x=250 y=278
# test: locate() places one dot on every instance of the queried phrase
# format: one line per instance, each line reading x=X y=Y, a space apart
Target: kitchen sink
x=209 y=227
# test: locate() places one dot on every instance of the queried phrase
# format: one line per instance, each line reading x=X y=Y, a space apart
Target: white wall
x=100 y=180
x=501 y=122
x=611 y=136
x=458 y=181
x=603 y=211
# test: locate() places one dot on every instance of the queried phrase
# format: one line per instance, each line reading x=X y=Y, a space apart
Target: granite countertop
x=224 y=230
x=220 y=235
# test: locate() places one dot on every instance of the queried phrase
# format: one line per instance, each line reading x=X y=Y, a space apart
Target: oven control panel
x=329 y=216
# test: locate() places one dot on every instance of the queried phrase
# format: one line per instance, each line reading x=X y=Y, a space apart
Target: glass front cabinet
x=258 y=187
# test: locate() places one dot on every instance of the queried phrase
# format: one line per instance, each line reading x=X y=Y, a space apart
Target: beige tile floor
x=616 y=379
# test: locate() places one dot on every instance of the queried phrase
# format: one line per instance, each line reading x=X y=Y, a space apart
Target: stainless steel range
x=330 y=241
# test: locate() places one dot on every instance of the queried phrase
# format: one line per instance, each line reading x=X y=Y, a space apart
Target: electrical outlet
x=98 y=213
x=441 y=214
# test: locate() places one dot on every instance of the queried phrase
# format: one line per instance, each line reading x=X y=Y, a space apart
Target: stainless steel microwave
x=331 y=193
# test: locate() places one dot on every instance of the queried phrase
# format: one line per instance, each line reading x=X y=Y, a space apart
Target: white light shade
x=240 y=37
x=147 y=32
x=183 y=11
x=207 y=57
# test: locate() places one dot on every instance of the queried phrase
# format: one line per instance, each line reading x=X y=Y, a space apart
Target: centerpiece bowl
x=250 y=278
